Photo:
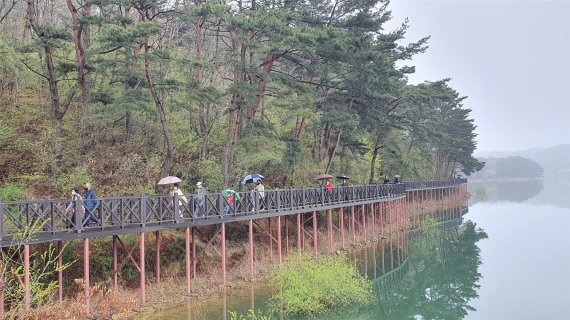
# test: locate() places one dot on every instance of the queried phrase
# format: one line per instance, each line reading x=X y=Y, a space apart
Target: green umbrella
x=227 y=192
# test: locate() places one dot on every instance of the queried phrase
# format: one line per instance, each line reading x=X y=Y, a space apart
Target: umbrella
x=226 y=192
x=324 y=177
x=342 y=177
x=252 y=178
x=169 y=180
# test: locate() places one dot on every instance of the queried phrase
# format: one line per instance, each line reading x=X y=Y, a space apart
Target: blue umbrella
x=252 y=178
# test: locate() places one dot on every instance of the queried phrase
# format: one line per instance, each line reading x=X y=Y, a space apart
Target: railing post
x=256 y=201
x=177 y=205
x=220 y=205
x=278 y=200
x=143 y=210
x=78 y=216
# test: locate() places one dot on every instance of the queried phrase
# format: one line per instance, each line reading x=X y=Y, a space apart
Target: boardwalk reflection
x=421 y=274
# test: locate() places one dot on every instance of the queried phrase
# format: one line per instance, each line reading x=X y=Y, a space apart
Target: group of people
x=88 y=203
x=397 y=179
x=230 y=197
x=201 y=205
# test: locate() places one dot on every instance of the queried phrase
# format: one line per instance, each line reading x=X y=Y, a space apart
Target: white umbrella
x=169 y=180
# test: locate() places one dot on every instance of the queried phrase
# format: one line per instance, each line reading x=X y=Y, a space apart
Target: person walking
x=260 y=189
x=182 y=201
x=230 y=196
x=75 y=196
x=91 y=204
x=252 y=193
x=328 y=187
x=200 y=200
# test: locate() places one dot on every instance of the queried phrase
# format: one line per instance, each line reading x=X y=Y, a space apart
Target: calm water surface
x=507 y=258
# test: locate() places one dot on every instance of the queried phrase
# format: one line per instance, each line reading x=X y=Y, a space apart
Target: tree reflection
x=441 y=279
x=437 y=281
x=512 y=191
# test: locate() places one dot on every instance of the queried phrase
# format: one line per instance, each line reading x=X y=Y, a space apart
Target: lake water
x=507 y=258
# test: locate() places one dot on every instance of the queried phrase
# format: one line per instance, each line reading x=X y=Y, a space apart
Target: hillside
x=555 y=160
x=509 y=168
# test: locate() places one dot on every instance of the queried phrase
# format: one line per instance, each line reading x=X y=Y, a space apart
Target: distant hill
x=509 y=168
x=554 y=160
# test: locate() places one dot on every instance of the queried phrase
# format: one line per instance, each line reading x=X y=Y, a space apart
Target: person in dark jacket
x=91 y=204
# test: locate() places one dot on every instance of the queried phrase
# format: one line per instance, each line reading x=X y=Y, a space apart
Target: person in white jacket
x=261 y=193
x=182 y=201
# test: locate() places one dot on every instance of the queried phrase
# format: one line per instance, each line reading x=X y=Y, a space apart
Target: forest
x=120 y=93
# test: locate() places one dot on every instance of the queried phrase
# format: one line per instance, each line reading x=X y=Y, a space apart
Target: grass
x=312 y=286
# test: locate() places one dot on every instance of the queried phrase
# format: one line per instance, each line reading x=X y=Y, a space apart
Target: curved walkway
x=63 y=219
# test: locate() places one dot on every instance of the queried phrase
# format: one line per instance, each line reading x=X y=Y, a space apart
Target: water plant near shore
x=311 y=286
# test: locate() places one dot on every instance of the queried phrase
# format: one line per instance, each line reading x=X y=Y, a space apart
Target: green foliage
x=312 y=286
x=288 y=91
x=12 y=192
x=43 y=266
x=251 y=315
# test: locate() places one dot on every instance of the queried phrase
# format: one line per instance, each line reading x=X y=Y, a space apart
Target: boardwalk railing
x=65 y=219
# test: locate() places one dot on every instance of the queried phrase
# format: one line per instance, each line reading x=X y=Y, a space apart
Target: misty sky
x=511 y=58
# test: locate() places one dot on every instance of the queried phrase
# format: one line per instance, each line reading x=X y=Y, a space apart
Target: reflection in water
x=440 y=279
x=431 y=275
x=549 y=191
x=513 y=191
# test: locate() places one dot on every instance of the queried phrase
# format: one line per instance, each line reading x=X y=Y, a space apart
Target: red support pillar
x=193 y=253
x=270 y=239
x=364 y=221
x=59 y=271
x=251 y=269
x=381 y=220
x=27 y=298
x=115 y=267
x=143 y=271
x=352 y=225
x=187 y=258
x=383 y=257
x=373 y=221
x=391 y=253
x=341 y=217
x=157 y=257
x=315 y=233
x=279 y=244
x=329 y=229
x=299 y=234
x=374 y=261
x=86 y=274
x=398 y=235
x=223 y=235
x=286 y=237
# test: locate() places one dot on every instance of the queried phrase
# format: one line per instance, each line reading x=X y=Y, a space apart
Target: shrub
x=251 y=315
x=311 y=286
x=11 y=192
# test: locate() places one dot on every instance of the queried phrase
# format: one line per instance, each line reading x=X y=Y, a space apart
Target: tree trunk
x=333 y=151
x=168 y=160
x=374 y=158
x=79 y=49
